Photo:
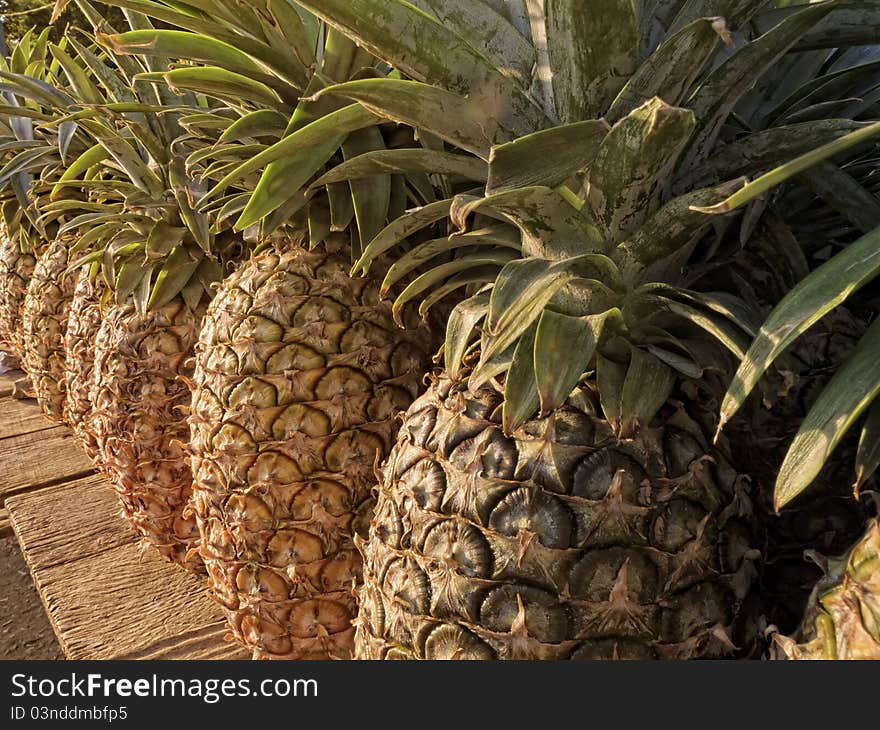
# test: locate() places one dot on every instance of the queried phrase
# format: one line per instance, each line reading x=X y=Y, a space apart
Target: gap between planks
x=38 y=459
x=20 y=417
x=107 y=596
x=7 y=381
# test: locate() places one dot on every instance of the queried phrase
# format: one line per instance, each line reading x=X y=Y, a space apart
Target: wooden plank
x=18 y=417
x=39 y=459
x=8 y=380
x=5 y=524
x=92 y=522
x=106 y=596
x=7 y=383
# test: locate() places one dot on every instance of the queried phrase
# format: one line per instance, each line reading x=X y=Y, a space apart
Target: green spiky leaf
x=846 y=396
x=546 y=158
x=825 y=288
x=520 y=386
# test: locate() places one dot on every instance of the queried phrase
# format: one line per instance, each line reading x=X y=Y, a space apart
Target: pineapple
x=300 y=375
x=300 y=372
x=559 y=540
x=84 y=320
x=842 y=620
x=556 y=493
x=44 y=324
x=138 y=398
x=159 y=259
x=139 y=394
x=16 y=269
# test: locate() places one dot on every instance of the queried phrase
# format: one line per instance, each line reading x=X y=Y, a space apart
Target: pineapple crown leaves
x=33 y=150
x=656 y=76
x=683 y=218
x=852 y=390
x=618 y=166
x=275 y=138
x=286 y=171
x=274 y=38
x=851 y=393
x=138 y=217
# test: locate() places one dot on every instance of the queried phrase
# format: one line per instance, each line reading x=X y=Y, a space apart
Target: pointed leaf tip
x=718 y=209
x=721 y=423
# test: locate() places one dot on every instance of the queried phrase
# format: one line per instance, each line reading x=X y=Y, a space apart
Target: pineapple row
x=188 y=212
x=292 y=347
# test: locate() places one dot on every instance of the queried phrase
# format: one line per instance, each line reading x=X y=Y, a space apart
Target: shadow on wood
x=107 y=596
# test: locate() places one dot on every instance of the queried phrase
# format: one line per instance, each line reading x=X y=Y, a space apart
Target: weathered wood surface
x=34 y=452
x=106 y=595
x=29 y=459
x=13 y=382
x=19 y=417
x=86 y=522
x=39 y=459
x=7 y=381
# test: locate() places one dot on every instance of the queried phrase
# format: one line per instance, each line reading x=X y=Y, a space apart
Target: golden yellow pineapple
x=84 y=320
x=16 y=270
x=300 y=375
x=139 y=398
x=44 y=323
x=842 y=620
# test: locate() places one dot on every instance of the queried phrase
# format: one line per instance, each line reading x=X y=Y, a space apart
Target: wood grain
x=38 y=459
x=14 y=383
x=107 y=596
x=7 y=382
x=19 y=417
x=70 y=521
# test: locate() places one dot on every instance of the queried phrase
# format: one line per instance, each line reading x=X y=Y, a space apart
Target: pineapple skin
x=842 y=620
x=83 y=323
x=300 y=376
x=139 y=396
x=44 y=325
x=16 y=270
x=560 y=541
